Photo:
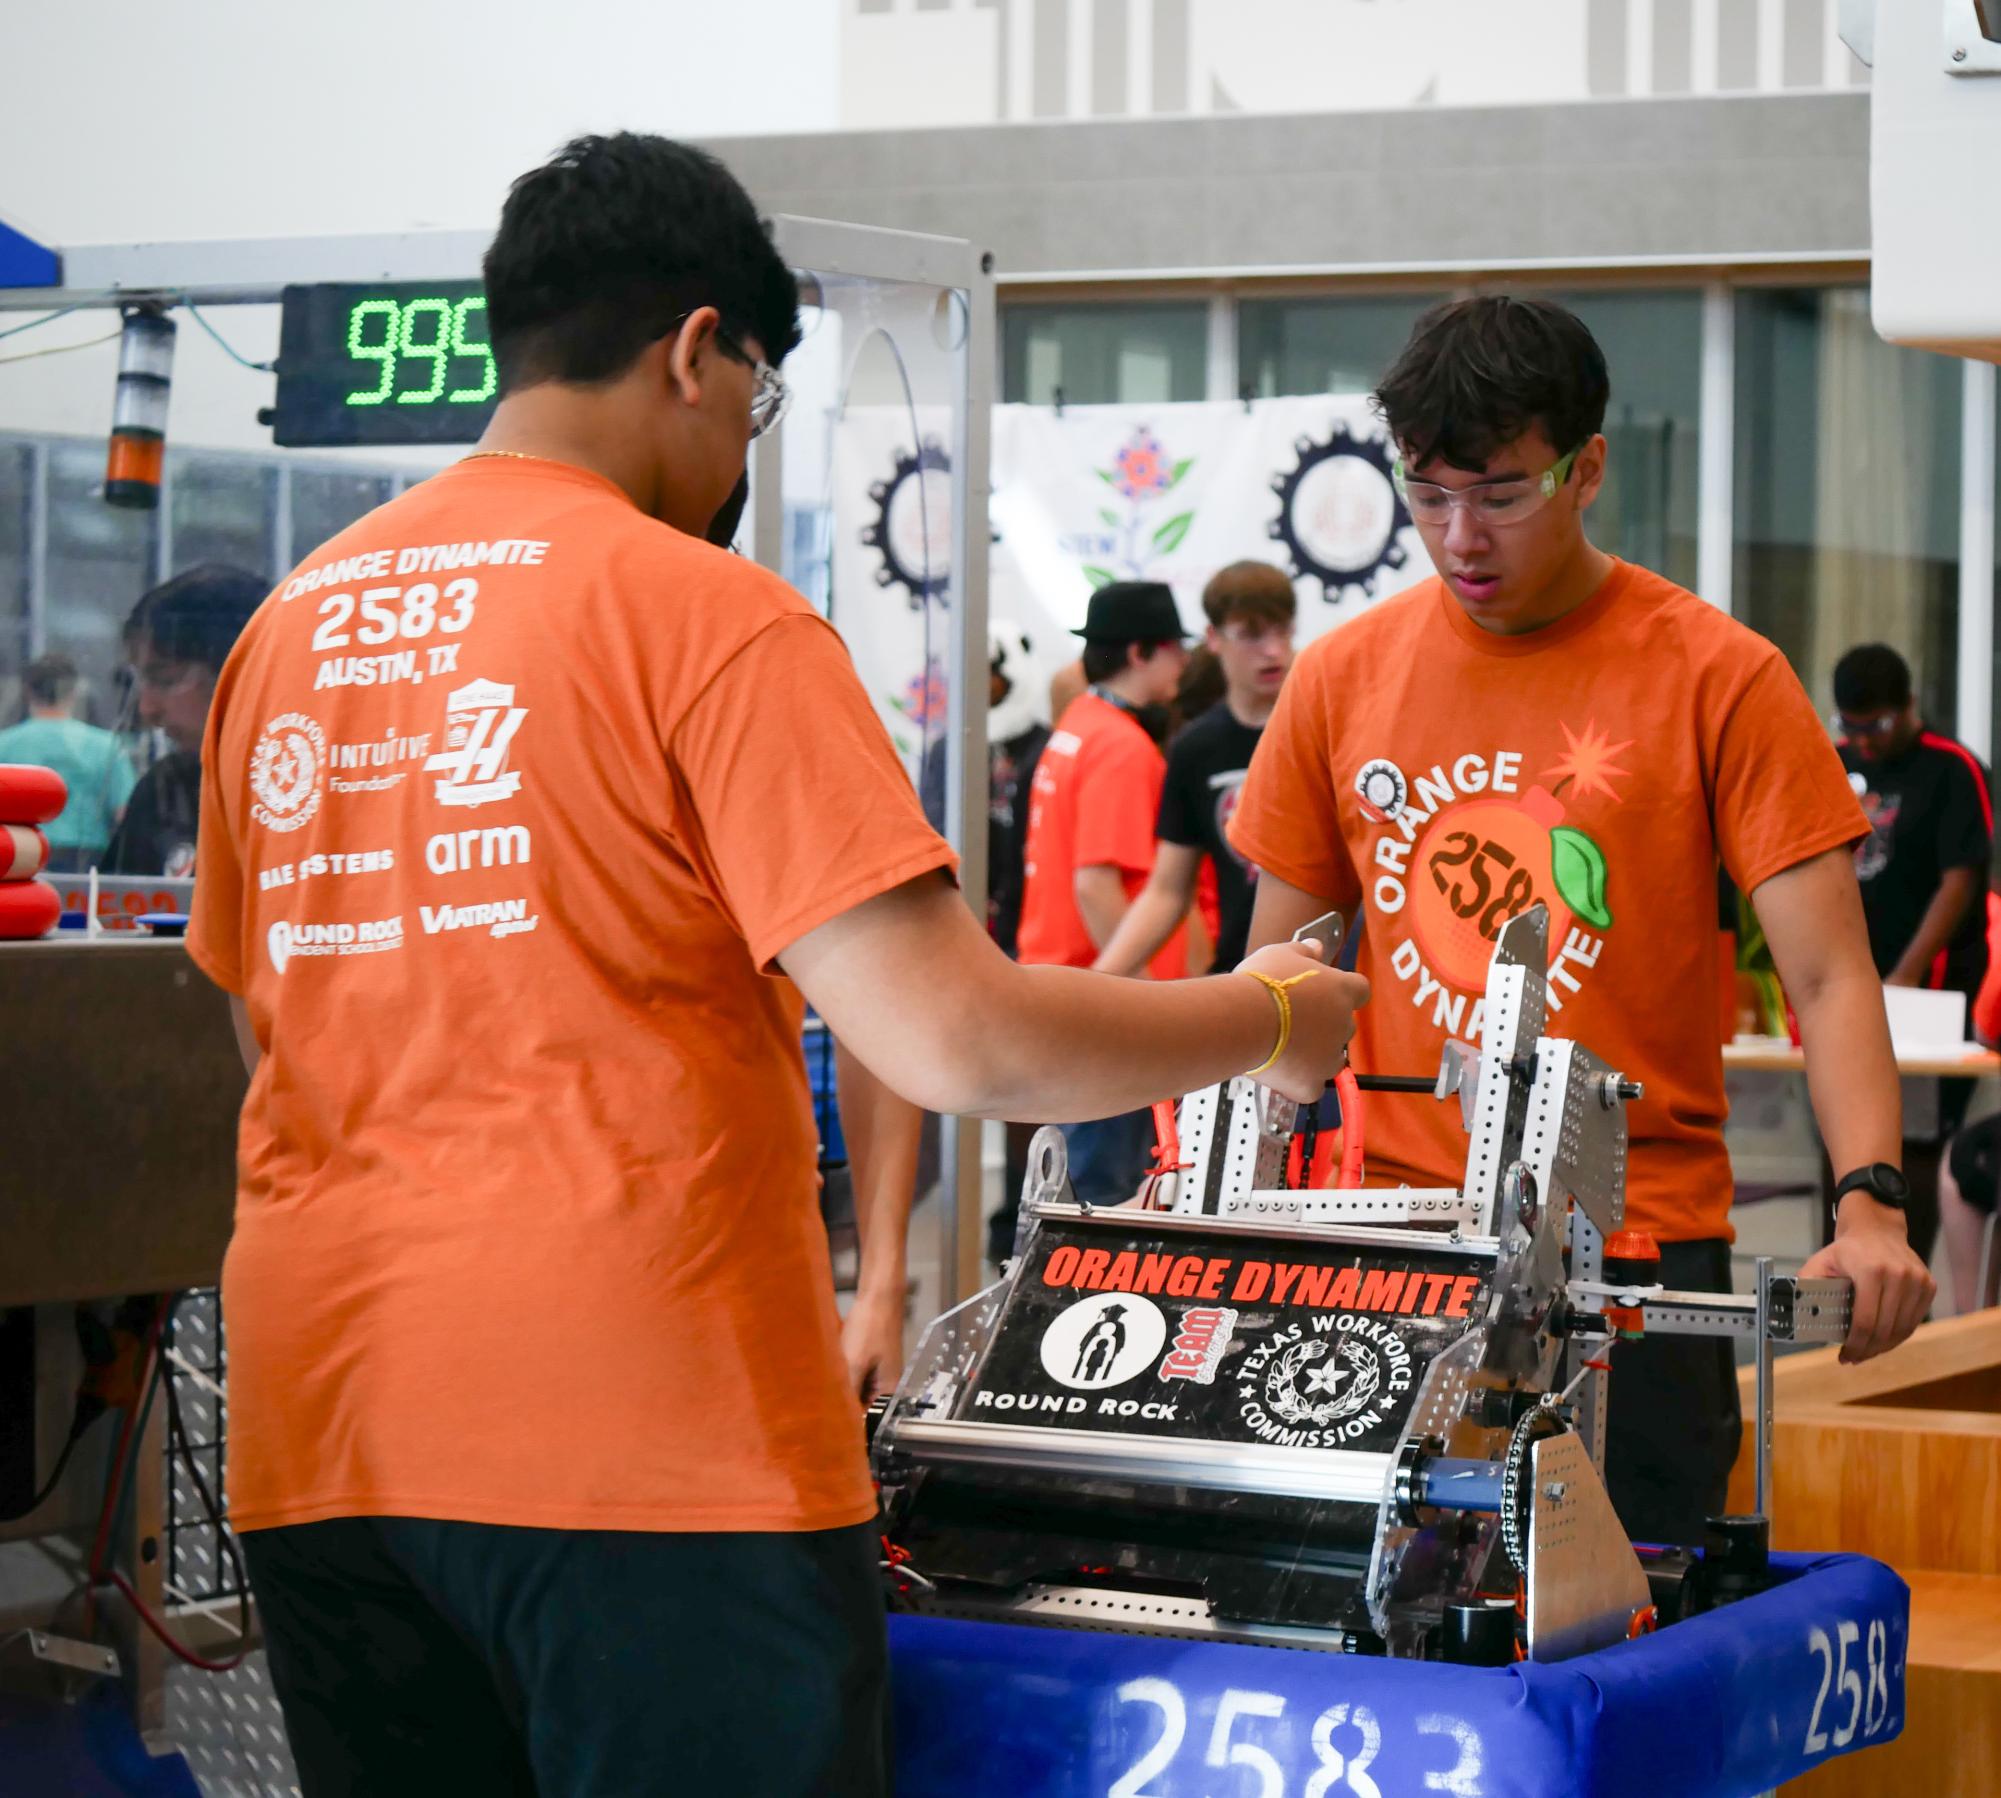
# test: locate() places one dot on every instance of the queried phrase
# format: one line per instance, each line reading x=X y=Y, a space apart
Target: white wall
x=241 y=118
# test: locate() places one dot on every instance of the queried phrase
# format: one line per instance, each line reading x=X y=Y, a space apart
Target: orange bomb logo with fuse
x=1464 y=848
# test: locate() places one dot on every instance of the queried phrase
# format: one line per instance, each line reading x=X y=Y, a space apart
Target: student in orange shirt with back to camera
x=527 y=818
x=1543 y=722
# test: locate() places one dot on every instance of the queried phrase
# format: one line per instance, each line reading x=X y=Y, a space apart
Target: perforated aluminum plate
x=229 y=1727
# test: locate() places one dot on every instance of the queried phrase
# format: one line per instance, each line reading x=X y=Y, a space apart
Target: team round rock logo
x=1103 y=1341
x=288 y=772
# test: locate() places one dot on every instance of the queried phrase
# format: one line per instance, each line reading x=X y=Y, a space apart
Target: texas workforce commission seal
x=288 y=772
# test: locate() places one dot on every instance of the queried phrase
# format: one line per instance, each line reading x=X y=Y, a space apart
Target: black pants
x=1675 y=1421
x=415 y=1658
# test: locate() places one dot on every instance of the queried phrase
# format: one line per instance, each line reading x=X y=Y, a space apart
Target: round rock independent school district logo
x=288 y=772
x=1103 y=1341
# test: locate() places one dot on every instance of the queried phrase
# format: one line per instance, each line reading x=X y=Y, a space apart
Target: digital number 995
x=428 y=334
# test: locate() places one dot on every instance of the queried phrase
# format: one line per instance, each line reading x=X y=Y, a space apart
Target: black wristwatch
x=1882 y=1182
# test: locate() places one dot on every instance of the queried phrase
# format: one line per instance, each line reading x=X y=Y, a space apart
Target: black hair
x=1871 y=677
x=50 y=679
x=198 y=615
x=1478 y=373
x=1104 y=660
x=602 y=249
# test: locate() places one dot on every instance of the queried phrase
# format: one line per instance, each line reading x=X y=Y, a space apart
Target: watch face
x=1890 y=1183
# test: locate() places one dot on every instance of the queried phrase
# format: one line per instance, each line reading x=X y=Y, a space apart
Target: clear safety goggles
x=1490 y=502
x=769 y=396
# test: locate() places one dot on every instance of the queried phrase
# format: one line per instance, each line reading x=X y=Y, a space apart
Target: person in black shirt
x=1923 y=867
x=1251 y=610
x=178 y=637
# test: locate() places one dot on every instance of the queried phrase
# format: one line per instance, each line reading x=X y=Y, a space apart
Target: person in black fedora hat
x=1090 y=831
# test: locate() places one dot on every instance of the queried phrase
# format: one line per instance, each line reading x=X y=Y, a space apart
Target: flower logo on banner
x=1141 y=474
x=923 y=702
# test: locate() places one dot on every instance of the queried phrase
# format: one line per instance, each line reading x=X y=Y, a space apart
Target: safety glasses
x=769 y=395
x=1499 y=503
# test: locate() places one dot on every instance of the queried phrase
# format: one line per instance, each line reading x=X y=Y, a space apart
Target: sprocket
x=1338 y=568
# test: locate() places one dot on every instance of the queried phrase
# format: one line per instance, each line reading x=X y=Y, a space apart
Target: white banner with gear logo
x=1170 y=492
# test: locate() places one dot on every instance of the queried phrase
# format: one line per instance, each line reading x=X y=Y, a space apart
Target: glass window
x=1100 y=355
x=1323 y=345
x=325 y=501
x=16 y=647
x=100 y=559
x=1648 y=507
x=222 y=512
x=1847 y=490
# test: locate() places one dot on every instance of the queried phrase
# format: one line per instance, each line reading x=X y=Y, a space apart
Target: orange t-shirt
x=1603 y=766
x=1091 y=805
x=510 y=796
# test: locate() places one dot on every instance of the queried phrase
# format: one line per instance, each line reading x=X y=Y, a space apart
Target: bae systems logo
x=288 y=771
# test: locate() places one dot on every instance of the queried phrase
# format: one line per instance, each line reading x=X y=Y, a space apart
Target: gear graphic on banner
x=1340 y=516
x=912 y=528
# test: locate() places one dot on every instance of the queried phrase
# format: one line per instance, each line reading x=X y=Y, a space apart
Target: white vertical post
x=1836 y=61
x=1139 y=58
x=1221 y=383
x=1639 y=48
x=1771 y=45
x=1077 y=64
x=1976 y=560
x=1715 y=545
x=1021 y=59
x=1705 y=40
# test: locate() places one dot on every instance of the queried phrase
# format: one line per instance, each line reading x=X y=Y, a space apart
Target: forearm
x=1942 y=917
x=883 y=1131
x=1101 y=902
x=912 y=986
x=1147 y=925
x=246 y=1038
x=1851 y=1071
x=1123 y=1044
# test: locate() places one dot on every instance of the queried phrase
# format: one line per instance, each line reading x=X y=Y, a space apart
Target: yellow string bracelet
x=1283 y=1000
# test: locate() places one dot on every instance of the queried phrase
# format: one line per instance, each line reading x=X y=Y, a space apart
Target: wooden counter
x=1900 y=1458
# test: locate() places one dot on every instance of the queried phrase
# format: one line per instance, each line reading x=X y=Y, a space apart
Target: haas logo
x=480 y=721
x=288 y=770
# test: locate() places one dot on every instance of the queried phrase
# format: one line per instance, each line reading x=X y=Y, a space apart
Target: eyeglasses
x=769 y=396
x=1490 y=502
x=1851 y=728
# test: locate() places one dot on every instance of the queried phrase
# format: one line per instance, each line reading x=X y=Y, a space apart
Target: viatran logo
x=288 y=771
x=1339 y=513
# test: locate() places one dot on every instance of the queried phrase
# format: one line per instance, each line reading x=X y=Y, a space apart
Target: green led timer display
x=417 y=347
x=384 y=362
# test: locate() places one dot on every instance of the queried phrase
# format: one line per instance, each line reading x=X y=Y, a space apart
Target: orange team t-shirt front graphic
x=1093 y=803
x=1444 y=780
x=511 y=796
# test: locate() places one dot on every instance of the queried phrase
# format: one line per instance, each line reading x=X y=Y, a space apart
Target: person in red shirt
x=1543 y=723
x=1090 y=832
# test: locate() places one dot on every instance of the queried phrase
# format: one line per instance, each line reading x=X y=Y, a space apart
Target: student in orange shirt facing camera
x=1541 y=722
